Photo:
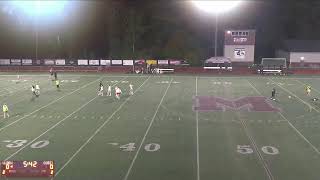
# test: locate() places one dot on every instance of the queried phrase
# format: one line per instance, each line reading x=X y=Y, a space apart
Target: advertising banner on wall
x=15 y=62
x=26 y=61
x=93 y=62
x=60 y=62
x=152 y=62
x=163 y=62
x=4 y=61
x=116 y=62
x=104 y=62
x=49 y=62
x=128 y=62
x=82 y=62
x=175 y=62
x=139 y=62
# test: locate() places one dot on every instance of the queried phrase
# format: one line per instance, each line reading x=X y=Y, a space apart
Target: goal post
x=274 y=63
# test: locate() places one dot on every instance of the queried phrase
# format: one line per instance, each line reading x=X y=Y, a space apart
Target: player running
x=58 y=84
x=100 y=92
x=33 y=90
x=109 y=91
x=273 y=94
x=5 y=110
x=308 y=90
x=37 y=90
x=118 y=92
x=131 y=89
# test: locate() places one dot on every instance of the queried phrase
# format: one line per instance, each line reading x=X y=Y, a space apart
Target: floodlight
x=39 y=8
x=215 y=6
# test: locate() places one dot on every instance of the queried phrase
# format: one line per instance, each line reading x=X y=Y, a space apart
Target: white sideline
x=291 y=125
x=146 y=133
x=47 y=105
x=55 y=125
x=98 y=130
x=197 y=127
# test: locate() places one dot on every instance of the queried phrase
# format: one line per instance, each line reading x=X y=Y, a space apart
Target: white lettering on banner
x=240 y=40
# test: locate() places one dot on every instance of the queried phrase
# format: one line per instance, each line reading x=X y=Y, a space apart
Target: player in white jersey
x=37 y=91
x=109 y=91
x=118 y=92
x=100 y=93
x=131 y=89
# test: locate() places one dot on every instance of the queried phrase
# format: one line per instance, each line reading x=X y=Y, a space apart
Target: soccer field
x=171 y=128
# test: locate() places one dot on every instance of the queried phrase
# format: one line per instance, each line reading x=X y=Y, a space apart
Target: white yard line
x=98 y=130
x=146 y=133
x=254 y=144
x=291 y=125
x=304 y=102
x=197 y=133
x=55 y=125
x=46 y=105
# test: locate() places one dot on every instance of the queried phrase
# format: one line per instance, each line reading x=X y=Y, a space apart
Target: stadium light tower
x=215 y=7
x=38 y=11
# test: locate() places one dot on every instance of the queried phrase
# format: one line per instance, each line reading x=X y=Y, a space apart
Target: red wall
x=128 y=69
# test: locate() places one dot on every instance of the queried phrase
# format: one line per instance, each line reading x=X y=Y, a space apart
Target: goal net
x=274 y=63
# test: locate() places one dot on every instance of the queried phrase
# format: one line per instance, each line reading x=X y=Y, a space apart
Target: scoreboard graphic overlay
x=27 y=169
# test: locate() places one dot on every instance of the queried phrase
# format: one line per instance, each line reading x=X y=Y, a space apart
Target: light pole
x=215 y=7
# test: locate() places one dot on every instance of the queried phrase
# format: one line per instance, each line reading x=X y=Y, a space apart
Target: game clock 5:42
x=27 y=168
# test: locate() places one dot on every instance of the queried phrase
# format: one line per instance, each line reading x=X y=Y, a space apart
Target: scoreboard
x=239 y=46
x=27 y=169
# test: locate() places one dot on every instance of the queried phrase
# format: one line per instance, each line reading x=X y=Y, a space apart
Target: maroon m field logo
x=250 y=104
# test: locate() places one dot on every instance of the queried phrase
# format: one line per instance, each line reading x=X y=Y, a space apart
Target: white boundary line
x=55 y=125
x=98 y=130
x=146 y=133
x=197 y=134
x=291 y=125
x=304 y=102
x=47 y=105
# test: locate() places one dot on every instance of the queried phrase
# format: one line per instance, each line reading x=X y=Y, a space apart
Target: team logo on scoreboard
x=250 y=104
x=239 y=53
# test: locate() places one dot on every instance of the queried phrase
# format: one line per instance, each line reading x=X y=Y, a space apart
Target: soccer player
x=131 y=89
x=58 y=84
x=37 y=90
x=33 y=89
x=5 y=110
x=273 y=94
x=118 y=92
x=308 y=90
x=55 y=75
x=109 y=91
x=100 y=93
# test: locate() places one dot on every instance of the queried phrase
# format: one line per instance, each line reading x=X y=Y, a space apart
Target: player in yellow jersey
x=5 y=110
x=308 y=90
x=58 y=84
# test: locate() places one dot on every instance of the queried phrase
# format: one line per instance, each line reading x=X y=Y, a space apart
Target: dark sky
x=158 y=29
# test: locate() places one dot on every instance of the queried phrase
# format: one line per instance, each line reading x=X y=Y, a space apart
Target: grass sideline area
x=171 y=128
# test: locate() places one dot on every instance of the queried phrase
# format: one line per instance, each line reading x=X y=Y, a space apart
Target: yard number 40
x=246 y=149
